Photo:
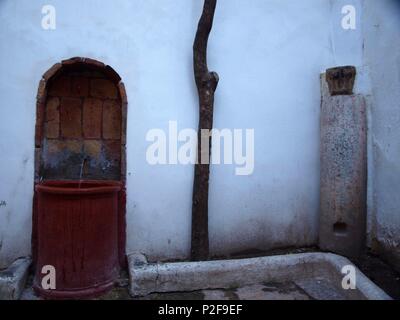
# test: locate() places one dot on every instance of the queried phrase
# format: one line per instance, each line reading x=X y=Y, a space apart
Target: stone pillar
x=343 y=189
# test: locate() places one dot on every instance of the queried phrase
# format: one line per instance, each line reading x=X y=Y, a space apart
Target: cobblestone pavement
x=282 y=291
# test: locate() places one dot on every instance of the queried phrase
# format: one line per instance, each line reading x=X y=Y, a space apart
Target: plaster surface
x=382 y=57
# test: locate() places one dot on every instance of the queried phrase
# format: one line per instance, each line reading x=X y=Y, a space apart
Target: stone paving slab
x=12 y=279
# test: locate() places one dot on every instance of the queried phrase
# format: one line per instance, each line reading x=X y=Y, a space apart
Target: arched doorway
x=80 y=133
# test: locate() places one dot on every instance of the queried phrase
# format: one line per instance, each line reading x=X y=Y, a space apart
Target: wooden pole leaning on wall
x=206 y=83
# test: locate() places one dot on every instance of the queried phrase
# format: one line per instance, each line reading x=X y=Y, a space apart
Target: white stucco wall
x=382 y=58
x=269 y=55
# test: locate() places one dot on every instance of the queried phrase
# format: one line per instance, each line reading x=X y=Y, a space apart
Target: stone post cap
x=341 y=80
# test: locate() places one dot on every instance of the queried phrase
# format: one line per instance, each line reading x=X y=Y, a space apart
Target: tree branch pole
x=206 y=83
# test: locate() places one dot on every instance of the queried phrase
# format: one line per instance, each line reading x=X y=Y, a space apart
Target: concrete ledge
x=12 y=279
x=190 y=276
